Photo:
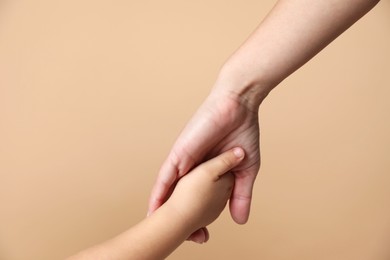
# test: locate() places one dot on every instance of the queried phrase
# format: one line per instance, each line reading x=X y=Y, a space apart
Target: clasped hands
x=224 y=121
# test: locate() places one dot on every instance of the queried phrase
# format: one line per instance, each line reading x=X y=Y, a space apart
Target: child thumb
x=224 y=162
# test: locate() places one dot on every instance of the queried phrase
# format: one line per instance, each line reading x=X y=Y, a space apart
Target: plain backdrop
x=94 y=93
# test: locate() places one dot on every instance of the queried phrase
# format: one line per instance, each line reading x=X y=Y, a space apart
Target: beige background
x=93 y=94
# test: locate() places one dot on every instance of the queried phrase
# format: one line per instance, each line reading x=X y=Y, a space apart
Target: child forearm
x=153 y=238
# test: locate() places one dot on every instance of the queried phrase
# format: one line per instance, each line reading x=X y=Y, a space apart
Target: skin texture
x=292 y=33
x=198 y=199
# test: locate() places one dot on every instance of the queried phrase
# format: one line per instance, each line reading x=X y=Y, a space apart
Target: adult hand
x=222 y=122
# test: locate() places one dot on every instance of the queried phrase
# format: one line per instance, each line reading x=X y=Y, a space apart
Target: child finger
x=224 y=162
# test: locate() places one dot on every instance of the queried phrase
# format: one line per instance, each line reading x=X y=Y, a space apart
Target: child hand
x=198 y=199
x=201 y=195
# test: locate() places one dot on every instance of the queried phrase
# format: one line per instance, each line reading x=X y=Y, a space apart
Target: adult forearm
x=293 y=32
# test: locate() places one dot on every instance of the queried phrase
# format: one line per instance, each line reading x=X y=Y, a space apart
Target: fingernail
x=197 y=240
x=238 y=152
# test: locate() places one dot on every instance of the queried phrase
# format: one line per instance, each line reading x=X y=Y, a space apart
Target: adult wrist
x=248 y=88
